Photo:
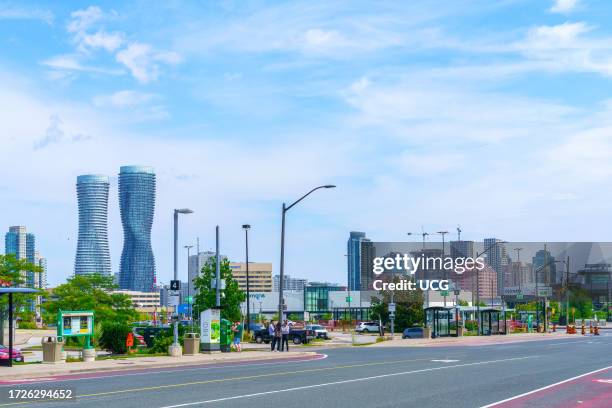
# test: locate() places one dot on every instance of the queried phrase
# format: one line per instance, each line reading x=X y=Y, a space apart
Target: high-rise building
x=497 y=258
x=22 y=244
x=289 y=283
x=41 y=262
x=461 y=249
x=544 y=267
x=368 y=253
x=260 y=276
x=354 y=256
x=92 y=255
x=137 y=205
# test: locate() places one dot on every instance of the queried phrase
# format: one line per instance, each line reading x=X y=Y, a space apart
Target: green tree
x=91 y=292
x=231 y=296
x=408 y=307
x=12 y=273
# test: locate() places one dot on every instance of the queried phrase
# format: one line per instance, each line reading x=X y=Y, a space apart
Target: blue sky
x=492 y=115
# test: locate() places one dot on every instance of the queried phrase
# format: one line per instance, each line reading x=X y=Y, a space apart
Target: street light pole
x=246 y=228
x=188 y=247
x=282 y=251
x=175 y=345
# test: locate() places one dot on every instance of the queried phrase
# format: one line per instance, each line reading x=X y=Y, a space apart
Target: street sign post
x=392 y=308
x=175 y=285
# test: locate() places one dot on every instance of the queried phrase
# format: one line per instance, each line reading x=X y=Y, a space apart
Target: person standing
x=237 y=329
x=271 y=332
x=278 y=335
x=285 y=335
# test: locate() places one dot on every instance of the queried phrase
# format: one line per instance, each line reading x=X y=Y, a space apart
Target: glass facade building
x=354 y=258
x=316 y=297
x=93 y=255
x=137 y=205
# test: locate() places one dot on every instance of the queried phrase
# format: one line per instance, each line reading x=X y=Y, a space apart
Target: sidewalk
x=472 y=341
x=28 y=371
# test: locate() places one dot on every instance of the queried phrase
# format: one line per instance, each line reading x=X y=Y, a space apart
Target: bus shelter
x=10 y=291
x=441 y=321
x=492 y=321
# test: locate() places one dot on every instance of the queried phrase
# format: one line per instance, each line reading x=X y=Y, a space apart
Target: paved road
x=372 y=377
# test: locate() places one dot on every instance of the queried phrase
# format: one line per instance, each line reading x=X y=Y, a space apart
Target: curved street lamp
x=282 y=254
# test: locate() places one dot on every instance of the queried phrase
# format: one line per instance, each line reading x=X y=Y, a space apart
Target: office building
x=260 y=276
x=196 y=263
x=142 y=301
x=354 y=257
x=366 y=258
x=92 y=255
x=289 y=283
x=137 y=205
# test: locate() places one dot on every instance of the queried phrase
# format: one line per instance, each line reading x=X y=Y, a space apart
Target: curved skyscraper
x=137 y=205
x=92 y=254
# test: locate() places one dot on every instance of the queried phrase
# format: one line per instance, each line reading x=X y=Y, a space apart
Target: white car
x=320 y=331
x=367 y=327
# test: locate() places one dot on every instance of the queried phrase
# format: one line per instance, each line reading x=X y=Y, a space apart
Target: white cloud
x=124 y=99
x=73 y=63
x=559 y=36
x=563 y=6
x=9 y=11
x=144 y=62
x=109 y=41
x=82 y=20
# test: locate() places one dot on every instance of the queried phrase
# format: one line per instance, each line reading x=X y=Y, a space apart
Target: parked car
x=320 y=332
x=367 y=327
x=413 y=333
x=297 y=336
x=148 y=333
x=254 y=327
x=4 y=354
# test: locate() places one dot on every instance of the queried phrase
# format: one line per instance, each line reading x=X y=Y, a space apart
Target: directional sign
x=349 y=299
x=444 y=292
x=175 y=285
x=519 y=296
x=545 y=291
x=457 y=292
x=189 y=299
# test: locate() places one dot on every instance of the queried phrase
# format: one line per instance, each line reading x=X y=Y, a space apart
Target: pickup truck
x=297 y=336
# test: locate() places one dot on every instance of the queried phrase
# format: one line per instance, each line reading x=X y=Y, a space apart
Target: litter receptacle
x=191 y=344
x=52 y=350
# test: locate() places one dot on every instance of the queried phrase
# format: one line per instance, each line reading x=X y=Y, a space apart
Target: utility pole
x=217 y=269
x=246 y=228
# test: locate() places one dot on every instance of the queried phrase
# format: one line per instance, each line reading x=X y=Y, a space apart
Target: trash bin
x=52 y=350
x=226 y=336
x=191 y=344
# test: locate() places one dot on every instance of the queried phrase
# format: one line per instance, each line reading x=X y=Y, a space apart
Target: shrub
x=161 y=344
x=113 y=337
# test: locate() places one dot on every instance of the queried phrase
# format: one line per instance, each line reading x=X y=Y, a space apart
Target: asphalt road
x=368 y=377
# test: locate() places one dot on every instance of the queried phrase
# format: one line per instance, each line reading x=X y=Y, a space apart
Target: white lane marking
x=143 y=370
x=546 y=387
x=344 y=382
x=444 y=361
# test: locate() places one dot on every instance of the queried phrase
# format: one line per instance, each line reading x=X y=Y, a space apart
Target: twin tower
x=137 y=205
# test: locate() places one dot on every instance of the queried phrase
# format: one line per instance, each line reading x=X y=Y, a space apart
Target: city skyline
x=480 y=104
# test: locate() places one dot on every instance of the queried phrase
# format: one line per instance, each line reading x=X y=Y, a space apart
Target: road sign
x=444 y=292
x=545 y=291
x=519 y=296
x=349 y=299
x=189 y=299
x=392 y=308
x=175 y=285
x=173 y=300
x=457 y=292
